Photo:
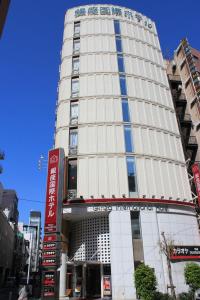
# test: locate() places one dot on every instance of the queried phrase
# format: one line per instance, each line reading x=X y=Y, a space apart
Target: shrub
x=145 y=282
x=186 y=296
x=192 y=275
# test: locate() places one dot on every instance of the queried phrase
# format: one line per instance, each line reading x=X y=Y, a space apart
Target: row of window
x=130 y=161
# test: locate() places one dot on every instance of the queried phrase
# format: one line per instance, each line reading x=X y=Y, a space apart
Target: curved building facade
x=126 y=180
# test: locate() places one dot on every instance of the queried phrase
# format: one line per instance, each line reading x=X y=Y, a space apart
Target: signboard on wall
x=107 y=285
x=185 y=252
x=54 y=190
x=196 y=174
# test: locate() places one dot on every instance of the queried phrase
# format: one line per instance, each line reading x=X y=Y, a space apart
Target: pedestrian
x=23 y=295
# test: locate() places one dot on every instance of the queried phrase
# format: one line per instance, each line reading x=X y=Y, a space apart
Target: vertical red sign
x=52 y=191
x=196 y=174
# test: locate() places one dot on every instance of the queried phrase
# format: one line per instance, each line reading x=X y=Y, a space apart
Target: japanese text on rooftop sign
x=52 y=191
x=112 y=11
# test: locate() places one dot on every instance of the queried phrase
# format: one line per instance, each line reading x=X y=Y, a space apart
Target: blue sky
x=29 y=62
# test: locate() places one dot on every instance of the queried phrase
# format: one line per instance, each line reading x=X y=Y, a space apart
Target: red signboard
x=49 y=253
x=50 y=238
x=196 y=174
x=185 y=253
x=52 y=191
x=49 y=246
x=49 y=262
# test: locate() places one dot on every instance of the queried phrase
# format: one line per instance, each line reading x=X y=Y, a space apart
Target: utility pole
x=166 y=250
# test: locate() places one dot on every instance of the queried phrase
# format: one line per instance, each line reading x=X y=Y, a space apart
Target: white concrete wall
x=157 y=145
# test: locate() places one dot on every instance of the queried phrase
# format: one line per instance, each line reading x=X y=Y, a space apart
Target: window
x=122 y=80
x=76 y=46
x=77 y=28
x=75 y=64
x=130 y=162
x=73 y=139
x=120 y=61
x=75 y=87
x=125 y=110
x=72 y=175
x=135 y=225
x=119 y=44
x=128 y=139
x=117 y=27
x=74 y=111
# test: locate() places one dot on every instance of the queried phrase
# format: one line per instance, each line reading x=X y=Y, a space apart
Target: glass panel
x=119 y=44
x=125 y=110
x=123 y=85
x=130 y=161
x=72 y=175
x=117 y=27
x=120 y=60
x=76 y=45
x=74 y=111
x=77 y=28
x=73 y=142
x=135 y=225
x=128 y=139
x=75 y=86
x=76 y=64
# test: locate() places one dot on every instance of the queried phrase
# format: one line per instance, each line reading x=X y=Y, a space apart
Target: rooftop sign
x=112 y=11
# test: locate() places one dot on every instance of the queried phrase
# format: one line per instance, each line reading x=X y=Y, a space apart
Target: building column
x=63 y=273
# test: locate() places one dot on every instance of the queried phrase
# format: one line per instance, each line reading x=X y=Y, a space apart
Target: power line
x=29 y=200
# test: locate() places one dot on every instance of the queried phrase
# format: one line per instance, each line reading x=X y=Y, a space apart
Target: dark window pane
x=123 y=85
x=135 y=225
x=120 y=60
x=119 y=44
x=72 y=175
x=117 y=27
x=130 y=161
x=125 y=110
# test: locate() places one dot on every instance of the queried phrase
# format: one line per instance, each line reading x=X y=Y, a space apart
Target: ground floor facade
x=107 y=241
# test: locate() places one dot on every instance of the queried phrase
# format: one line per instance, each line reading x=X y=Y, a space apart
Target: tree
x=192 y=276
x=145 y=282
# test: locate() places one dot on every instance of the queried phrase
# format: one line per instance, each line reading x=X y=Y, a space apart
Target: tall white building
x=126 y=181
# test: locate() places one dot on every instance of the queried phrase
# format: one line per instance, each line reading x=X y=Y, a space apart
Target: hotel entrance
x=85 y=279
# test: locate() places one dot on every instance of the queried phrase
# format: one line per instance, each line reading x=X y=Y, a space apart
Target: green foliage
x=145 y=282
x=192 y=276
x=160 y=296
x=186 y=296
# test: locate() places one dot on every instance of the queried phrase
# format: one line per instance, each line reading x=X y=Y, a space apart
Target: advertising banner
x=185 y=252
x=196 y=174
x=107 y=285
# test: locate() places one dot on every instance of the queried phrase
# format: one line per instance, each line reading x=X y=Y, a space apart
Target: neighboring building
x=126 y=179
x=187 y=60
x=9 y=202
x=7 y=242
x=35 y=224
x=4 y=5
x=184 y=79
